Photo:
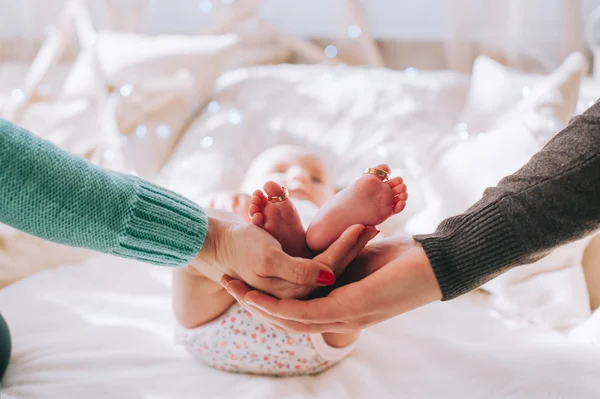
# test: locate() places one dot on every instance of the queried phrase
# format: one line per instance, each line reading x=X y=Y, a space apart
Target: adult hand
x=249 y=253
x=389 y=278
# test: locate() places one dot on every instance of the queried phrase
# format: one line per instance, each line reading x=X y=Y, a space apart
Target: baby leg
x=196 y=298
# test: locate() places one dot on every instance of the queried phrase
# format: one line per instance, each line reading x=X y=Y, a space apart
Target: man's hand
x=249 y=253
x=389 y=278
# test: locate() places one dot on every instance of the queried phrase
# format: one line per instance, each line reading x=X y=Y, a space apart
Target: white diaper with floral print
x=238 y=342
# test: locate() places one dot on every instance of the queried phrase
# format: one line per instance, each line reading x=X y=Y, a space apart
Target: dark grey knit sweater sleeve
x=553 y=199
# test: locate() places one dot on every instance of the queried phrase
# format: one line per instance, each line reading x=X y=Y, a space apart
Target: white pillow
x=496 y=89
x=460 y=167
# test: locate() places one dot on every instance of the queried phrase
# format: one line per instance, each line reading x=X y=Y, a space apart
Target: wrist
x=207 y=261
x=209 y=249
x=415 y=264
x=427 y=273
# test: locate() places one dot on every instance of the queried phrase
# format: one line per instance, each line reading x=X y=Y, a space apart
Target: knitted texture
x=553 y=199
x=53 y=195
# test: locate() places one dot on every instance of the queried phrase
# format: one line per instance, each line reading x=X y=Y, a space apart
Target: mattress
x=104 y=329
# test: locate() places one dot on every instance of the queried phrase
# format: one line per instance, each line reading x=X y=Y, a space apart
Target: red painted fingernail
x=326 y=278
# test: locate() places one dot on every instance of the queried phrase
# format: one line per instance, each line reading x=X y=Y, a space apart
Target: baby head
x=302 y=172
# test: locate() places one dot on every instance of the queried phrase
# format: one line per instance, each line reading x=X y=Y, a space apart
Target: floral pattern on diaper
x=240 y=342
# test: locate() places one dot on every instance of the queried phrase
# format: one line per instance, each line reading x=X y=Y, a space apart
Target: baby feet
x=368 y=201
x=280 y=219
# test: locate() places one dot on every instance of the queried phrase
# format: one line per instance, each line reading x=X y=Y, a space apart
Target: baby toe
x=399 y=207
x=273 y=189
x=260 y=195
x=385 y=167
x=257 y=201
x=253 y=209
x=257 y=219
x=396 y=181
x=399 y=189
x=402 y=196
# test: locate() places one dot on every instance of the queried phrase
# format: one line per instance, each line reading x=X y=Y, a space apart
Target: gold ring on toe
x=280 y=198
x=377 y=172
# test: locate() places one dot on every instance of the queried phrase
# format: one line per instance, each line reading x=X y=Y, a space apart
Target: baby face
x=303 y=173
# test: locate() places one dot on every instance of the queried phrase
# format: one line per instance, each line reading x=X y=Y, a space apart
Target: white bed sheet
x=104 y=330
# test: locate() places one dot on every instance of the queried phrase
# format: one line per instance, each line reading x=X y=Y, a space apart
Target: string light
x=206 y=6
x=17 y=95
x=462 y=127
x=206 y=142
x=463 y=130
x=354 y=31
x=234 y=116
x=411 y=71
x=163 y=131
x=126 y=90
x=331 y=51
x=213 y=107
x=141 y=131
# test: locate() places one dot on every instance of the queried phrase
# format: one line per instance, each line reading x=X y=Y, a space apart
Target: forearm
x=51 y=194
x=196 y=298
x=553 y=199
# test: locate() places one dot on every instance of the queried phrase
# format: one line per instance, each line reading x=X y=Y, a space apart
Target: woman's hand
x=389 y=278
x=249 y=253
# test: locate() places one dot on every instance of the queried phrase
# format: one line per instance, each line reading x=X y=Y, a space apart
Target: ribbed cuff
x=470 y=249
x=164 y=228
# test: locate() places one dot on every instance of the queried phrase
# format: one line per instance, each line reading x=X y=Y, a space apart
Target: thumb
x=347 y=247
x=318 y=271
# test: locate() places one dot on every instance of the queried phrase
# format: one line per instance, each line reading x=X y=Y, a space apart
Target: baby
x=214 y=328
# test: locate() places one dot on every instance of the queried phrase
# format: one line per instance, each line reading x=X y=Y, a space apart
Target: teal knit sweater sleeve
x=62 y=198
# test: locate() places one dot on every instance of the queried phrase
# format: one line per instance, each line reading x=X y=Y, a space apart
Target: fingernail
x=326 y=278
x=224 y=280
